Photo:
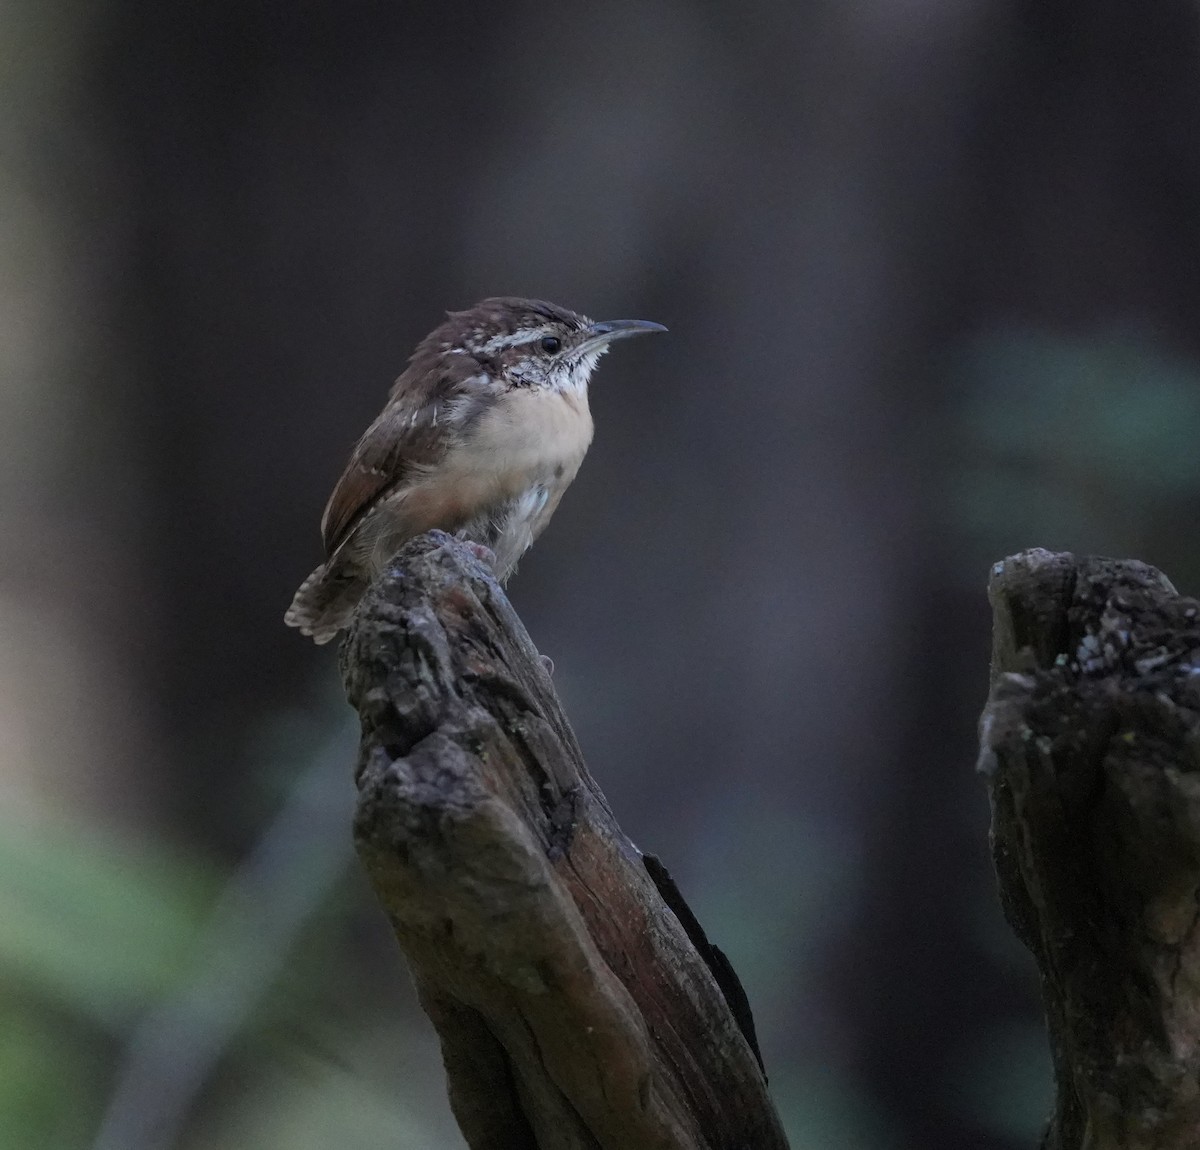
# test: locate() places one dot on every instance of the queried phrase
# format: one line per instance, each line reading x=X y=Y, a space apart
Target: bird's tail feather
x=325 y=602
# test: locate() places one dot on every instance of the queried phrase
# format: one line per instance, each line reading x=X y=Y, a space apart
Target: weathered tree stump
x=1091 y=745
x=577 y=1000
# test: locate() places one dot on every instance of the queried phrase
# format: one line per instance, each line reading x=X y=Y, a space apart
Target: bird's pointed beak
x=601 y=334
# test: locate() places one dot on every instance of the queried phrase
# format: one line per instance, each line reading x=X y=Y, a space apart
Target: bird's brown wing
x=410 y=437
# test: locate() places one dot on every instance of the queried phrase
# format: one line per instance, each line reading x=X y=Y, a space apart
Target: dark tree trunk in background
x=1090 y=742
x=1086 y=174
x=284 y=261
x=578 y=1002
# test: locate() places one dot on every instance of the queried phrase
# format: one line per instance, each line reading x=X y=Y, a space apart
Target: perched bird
x=480 y=436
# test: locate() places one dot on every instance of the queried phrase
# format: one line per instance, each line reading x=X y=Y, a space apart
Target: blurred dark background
x=931 y=273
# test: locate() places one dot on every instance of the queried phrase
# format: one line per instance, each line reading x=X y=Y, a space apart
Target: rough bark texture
x=1091 y=745
x=577 y=1000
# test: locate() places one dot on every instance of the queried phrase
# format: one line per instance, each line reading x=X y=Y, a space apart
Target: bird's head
x=531 y=343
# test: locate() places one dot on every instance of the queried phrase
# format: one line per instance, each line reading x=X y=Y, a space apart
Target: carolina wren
x=480 y=436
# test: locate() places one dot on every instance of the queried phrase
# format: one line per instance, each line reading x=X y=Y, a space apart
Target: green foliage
x=91 y=925
x=40 y=1066
x=364 y=1090
x=95 y=932
x=90 y=932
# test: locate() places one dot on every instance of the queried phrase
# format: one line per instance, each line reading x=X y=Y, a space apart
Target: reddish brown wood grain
x=574 y=1006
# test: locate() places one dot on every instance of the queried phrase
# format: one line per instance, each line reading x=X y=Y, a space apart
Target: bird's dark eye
x=551 y=344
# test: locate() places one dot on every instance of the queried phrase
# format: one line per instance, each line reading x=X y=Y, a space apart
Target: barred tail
x=325 y=601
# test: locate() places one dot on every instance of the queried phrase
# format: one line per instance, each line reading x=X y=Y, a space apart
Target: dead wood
x=1090 y=742
x=577 y=1000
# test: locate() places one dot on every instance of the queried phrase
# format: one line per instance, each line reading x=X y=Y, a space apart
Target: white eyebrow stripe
x=516 y=338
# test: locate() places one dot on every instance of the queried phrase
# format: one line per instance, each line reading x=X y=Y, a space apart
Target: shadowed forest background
x=931 y=272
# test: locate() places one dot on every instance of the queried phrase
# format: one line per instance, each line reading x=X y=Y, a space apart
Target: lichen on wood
x=1090 y=742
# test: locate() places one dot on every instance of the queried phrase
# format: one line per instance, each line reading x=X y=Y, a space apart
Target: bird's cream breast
x=527 y=436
